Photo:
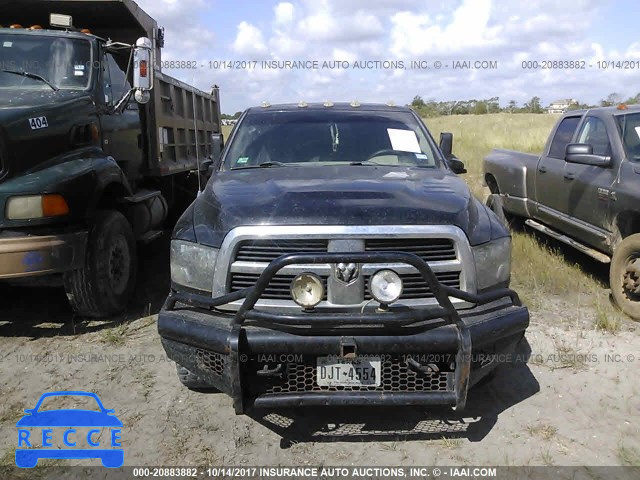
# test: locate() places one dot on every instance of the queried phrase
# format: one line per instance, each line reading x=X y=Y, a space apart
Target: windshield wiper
x=262 y=165
x=34 y=76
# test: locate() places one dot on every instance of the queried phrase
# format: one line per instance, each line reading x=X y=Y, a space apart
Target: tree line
x=432 y=108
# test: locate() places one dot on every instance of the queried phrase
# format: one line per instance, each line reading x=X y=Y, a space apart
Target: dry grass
x=474 y=136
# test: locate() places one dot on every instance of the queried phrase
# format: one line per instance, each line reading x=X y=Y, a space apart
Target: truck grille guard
x=406 y=317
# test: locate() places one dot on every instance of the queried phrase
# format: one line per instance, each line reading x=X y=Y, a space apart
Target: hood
x=334 y=195
x=25 y=143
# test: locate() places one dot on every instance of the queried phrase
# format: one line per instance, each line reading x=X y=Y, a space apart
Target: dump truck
x=98 y=147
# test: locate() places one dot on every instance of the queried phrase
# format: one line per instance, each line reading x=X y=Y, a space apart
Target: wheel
x=624 y=276
x=104 y=285
x=494 y=202
x=192 y=381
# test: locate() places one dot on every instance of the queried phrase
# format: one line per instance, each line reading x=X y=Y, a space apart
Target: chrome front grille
x=414 y=286
x=429 y=249
x=278 y=289
x=269 y=250
x=247 y=251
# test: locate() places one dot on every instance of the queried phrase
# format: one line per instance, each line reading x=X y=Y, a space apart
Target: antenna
x=195 y=130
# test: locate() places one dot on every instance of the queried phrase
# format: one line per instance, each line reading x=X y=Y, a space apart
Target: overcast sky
x=507 y=32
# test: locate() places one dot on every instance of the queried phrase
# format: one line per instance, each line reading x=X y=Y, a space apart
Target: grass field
x=548 y=275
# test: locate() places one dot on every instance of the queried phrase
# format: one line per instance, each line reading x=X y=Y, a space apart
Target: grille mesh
x=211 y=360
x=396 y=377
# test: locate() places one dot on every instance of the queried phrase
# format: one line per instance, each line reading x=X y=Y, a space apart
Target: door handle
x=569 y=176
x=542 y=169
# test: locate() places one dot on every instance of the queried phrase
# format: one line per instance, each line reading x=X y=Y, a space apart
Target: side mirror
x=217 y=147
x=446 y=144
x=143 y=63
x=582 y=153
x=457 y=165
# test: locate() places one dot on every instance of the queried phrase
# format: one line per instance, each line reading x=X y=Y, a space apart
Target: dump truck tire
x=104 y=285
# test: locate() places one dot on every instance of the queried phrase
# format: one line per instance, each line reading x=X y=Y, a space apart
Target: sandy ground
x=576 y=401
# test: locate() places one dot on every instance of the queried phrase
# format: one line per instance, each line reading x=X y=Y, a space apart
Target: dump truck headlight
x=36 y=206
x=493 y=263
x=193 y=265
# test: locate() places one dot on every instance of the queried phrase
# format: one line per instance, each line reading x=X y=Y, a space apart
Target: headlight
x=192 y=265
x=385 y=286
x=307 y=290
x=36 y=206
x=493 y=262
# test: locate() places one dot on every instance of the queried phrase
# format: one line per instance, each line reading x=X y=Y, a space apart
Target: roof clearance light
x=355 y=104
x=16 y=25
x=328 y=104
x=59 y=20
x=86 y=30
x=35 y=27
x=266 y=104
x=303 y=104
x=622 y=106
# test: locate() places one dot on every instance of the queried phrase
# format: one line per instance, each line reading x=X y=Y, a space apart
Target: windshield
x=629 y=126
x=63 y=62
x=328 y=137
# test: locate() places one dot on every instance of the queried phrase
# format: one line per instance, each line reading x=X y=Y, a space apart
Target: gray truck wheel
x=494 y=202
x=103 y=287
x=192 y=381
x=624 y=276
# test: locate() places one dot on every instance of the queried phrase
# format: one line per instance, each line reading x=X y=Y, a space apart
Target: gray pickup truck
x=583 y=190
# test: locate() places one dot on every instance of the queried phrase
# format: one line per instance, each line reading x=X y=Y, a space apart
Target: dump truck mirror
x=143 y=69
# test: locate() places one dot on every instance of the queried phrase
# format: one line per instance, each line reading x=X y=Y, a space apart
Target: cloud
x=284 y=13
x=506 y=32
x=249 y=40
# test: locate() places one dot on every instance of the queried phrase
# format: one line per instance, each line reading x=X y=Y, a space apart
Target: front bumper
x=23 y=255
x=265 y=360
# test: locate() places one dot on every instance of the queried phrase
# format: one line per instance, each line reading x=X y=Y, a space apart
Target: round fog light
x=385 y=286
x=307 y=290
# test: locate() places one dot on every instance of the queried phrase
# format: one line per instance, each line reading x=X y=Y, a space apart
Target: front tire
x=102 y=288
x=624 y=276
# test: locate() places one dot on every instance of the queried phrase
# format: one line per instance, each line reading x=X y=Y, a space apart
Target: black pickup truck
x=583 y=190
x=335 y=258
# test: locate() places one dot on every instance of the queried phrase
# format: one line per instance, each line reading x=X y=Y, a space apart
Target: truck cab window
x=563 y=136
x=629 y=126
x=594 y=133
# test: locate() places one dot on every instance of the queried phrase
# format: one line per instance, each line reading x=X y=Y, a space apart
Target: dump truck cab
x=96 y=146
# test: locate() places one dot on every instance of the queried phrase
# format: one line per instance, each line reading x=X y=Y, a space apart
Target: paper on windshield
x=638 y=131
x=404 y=140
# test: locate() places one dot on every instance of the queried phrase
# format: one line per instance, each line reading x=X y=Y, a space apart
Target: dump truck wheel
x=104 y=285
x=193 y=381
x=624 y=276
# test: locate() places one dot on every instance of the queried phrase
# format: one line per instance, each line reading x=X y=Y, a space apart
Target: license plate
x=352 y=372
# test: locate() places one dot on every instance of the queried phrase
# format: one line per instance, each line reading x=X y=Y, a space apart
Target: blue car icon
x=68 y=419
